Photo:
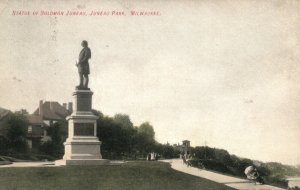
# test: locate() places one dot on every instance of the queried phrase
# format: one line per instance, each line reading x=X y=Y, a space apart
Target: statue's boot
x=79 y=87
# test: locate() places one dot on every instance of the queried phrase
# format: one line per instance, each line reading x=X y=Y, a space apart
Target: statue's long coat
x=83 y=64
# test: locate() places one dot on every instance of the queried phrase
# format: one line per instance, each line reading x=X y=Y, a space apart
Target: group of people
x=185 y=159
x=152 y=156
x=253 y=175
x=251 y=172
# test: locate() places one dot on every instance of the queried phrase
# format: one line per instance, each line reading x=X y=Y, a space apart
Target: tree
x=22 y=112
x=204 y=152
x=16 y=133
x=109 y=133
x=97 y=113
x=128 y=134
x=168 y=151
x=222 y=156
x=58 y=133
x=147 y=130
x=146 y=140
x=4 y=145
x=120 y=139
x=123 y=120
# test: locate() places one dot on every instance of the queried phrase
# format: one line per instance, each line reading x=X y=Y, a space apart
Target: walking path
x=237 y=183
x=28 y=164
x=47 y=164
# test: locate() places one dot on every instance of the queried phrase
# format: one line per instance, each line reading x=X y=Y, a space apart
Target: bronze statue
x=83 y=66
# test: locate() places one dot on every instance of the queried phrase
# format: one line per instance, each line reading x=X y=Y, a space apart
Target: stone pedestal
x=82 y=146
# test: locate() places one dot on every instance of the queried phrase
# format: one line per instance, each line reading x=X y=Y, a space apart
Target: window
x=29 y=129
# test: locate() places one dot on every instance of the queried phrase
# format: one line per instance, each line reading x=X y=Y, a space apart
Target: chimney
x=65 y=105
x=70 y=107
x=41 y=108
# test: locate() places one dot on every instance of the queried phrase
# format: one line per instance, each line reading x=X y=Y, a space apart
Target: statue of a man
x=83 y=65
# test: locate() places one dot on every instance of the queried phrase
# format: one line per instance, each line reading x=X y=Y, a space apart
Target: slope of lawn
x=129 y=176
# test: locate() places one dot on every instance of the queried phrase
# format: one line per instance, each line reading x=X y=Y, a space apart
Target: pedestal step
x=82 y=148
x=75 y=162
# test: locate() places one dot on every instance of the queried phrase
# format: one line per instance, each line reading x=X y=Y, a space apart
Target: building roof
x=35 y=119
x=52 y=111
x=3 y=112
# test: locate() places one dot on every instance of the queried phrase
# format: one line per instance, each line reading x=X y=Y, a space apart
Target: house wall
x=35 y=131
x=49 y=122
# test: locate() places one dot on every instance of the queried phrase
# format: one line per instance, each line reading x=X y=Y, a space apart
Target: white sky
x=225 y=72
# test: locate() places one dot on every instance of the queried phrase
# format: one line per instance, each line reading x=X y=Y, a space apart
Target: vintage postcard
x=113 y=94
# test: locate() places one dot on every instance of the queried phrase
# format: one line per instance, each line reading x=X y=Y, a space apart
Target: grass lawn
x=132 y=175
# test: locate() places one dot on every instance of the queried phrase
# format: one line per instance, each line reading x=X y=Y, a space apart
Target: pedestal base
x=82 y=151
x=82 y=146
